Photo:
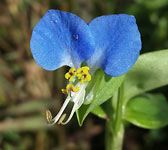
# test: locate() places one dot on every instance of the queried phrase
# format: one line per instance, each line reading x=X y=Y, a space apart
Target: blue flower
x=110 y=42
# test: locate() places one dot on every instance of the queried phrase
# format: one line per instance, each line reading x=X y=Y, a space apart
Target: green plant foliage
x=148 y=111
x=150 y=72
x=153 y=4
x=104 y=87
x=98 y=111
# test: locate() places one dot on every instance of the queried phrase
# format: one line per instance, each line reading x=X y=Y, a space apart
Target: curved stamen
x=57 y=117
x=62 y=118
x=70 y=116
x=78 y=101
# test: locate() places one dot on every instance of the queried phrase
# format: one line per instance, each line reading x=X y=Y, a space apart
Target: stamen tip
x=62 y=119
x=48 y=116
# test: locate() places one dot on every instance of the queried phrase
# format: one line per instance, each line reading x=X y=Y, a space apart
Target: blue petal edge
x=61 y=38
x=118 y=43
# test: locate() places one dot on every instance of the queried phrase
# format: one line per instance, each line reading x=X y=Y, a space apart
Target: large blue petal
x=59 y=39
x=118 y=43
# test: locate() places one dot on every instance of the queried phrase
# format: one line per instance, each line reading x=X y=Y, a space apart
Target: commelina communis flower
x=110 y=42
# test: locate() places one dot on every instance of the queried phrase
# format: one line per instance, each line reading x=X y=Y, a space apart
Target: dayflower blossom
x=110 y=42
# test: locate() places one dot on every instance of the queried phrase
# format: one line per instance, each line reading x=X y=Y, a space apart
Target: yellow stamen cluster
x=70 y=88
x=83 y=74
x=70 y=74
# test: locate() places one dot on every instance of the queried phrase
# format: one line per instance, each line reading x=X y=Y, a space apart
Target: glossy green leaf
x=150 y=72
x=103 y=87
x=98 y=111
x=148 y=111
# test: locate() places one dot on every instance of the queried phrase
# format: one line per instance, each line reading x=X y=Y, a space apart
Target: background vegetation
x=26 y=90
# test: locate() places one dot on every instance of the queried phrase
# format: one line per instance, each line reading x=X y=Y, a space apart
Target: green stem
x=114 y=126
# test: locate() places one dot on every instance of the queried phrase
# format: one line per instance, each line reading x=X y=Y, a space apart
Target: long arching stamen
x=78 y=101
x=70 y=116
x=61 y=118
x=57 y=117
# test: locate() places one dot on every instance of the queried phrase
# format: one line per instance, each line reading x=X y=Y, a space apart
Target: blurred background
x=26 y=90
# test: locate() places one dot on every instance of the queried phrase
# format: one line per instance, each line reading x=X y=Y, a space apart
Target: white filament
x=78 y=101
x=77 y=98
x=56 y=118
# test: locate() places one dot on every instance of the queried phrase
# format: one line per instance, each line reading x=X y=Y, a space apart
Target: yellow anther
x=85 y=77
x=83 y=74
x=62 y=119
x=82 y=70
x=70 y=74
x=76 y=89
x=70 y=88
x=48 y=116
x=64 y=91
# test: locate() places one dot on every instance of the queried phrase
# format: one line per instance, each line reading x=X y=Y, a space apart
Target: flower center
x=76 y=93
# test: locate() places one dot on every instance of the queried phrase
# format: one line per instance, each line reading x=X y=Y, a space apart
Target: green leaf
x=148 y=111
x=33 y=123
x=149 y=72
x=98 y=111
x=30 y=106
x=103 y=87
